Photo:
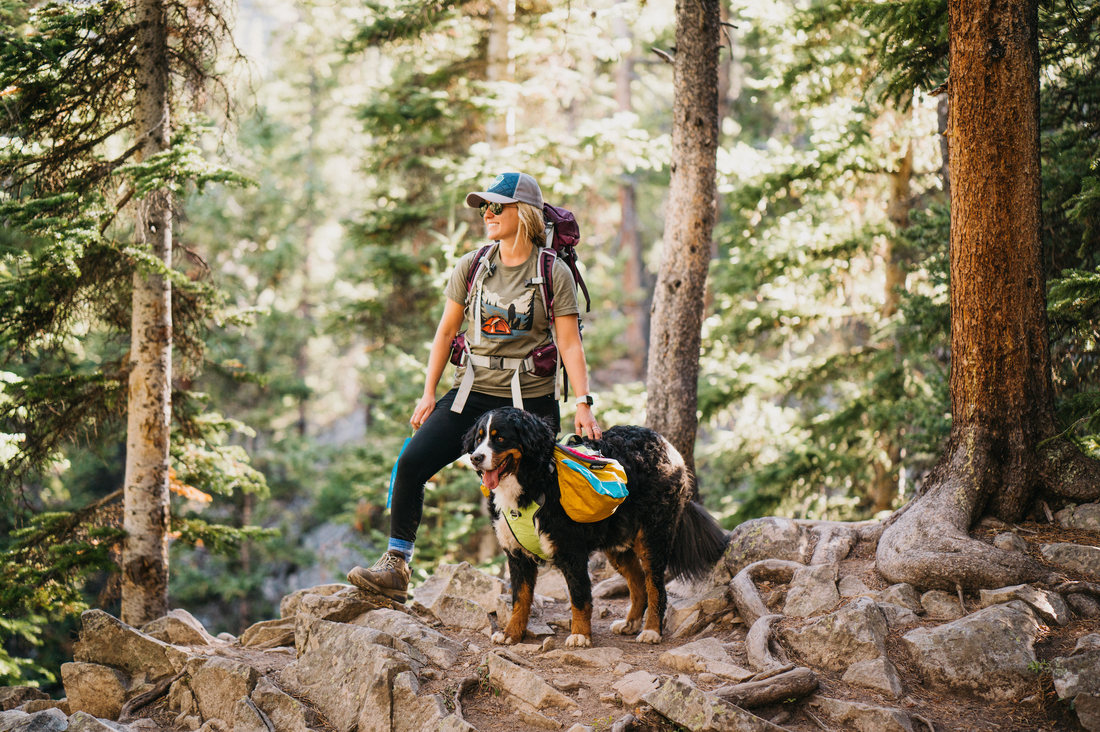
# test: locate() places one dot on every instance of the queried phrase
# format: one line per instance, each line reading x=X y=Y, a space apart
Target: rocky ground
x=795 y=626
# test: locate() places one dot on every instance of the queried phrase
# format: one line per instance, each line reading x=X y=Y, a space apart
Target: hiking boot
x=388 y=577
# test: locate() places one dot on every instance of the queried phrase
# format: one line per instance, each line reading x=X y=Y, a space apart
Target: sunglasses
x=496 y=208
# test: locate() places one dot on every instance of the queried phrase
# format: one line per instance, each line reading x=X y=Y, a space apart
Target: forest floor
x=592 y=688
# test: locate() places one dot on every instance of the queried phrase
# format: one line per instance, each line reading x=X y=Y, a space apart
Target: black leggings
x=438 y=443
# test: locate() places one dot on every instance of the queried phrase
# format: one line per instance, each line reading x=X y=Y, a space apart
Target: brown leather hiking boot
x=388 y=577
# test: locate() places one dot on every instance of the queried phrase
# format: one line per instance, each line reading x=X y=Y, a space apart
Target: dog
x=657 y=529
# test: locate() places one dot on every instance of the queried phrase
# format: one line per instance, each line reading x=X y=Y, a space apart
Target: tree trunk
x=145 y=552
x=635 y=306
x=1001 y=398
x=681 y=283
x=499 y=67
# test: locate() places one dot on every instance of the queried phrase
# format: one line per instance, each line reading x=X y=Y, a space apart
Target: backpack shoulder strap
x=475 y=264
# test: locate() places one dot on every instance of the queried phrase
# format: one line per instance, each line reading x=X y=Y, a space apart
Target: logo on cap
x=505 y=184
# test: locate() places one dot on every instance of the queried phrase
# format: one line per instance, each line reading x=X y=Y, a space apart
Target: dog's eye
x=499 y=438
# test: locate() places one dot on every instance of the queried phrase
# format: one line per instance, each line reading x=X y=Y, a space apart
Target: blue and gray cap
x=508 y=188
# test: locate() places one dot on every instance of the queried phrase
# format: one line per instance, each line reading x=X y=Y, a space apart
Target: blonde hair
x=531 y=224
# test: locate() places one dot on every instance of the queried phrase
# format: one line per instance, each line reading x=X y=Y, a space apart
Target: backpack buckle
x=496 y=363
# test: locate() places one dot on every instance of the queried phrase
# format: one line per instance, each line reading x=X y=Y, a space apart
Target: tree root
x=1067 y=472
x=758 y=645
x=793 y=684
x=464 y=685
x=742 y=588
x=143 y=700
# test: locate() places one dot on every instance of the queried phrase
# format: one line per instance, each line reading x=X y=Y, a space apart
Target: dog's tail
x=699 y=544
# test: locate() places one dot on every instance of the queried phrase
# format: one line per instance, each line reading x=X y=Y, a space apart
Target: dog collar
x=522 y=524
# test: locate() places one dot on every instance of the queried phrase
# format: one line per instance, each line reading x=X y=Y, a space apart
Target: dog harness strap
x=522 y=525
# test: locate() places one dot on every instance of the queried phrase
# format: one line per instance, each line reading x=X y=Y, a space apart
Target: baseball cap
x=508 y=188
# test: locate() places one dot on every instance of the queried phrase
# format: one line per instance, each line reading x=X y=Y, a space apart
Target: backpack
x=562 y=236
x=591 y=486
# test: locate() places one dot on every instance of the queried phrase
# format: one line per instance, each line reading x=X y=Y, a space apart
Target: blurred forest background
x=320 y=187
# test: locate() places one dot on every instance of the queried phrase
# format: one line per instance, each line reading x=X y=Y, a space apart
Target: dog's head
x=508 y=442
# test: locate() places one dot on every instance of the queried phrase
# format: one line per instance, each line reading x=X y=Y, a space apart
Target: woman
x=508 y=321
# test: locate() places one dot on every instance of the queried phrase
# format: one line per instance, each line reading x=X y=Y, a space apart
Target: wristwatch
x=586 y=399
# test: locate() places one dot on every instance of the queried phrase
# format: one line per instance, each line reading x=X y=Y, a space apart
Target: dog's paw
x=578 y=641
x=649 y=636
x=625 y=627
x=502 y=640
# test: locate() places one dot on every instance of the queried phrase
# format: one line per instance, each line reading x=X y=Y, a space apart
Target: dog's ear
x=469 y=441
x=537 y=438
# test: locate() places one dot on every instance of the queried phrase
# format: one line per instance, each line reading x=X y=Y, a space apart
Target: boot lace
x=387 y=561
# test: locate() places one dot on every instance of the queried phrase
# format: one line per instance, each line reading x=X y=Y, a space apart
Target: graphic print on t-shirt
x=507 y=320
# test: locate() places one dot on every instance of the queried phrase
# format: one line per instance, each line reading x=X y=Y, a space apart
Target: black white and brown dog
x=657 y=529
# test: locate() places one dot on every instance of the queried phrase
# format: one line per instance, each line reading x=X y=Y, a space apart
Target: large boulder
x=988 y=654
x=108 y=641
x=441 y=650
x=219 y=684
x=180 y=628
x=767 y=538
x=413 y=713
x=340 y=607
x=462 y=596
x=689 y=706
x=288 y=606
x=347 y=673
x=285 y=712
x=93 y=688
x=855 y=632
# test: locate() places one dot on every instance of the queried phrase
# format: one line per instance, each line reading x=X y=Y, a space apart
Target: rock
x=988 y=653
x=536 y=626
x=412 y=713
x=551 y=583
x=686 y=611
x=214 y=725
x=346 y=672
x=459 y=612
x=110 y=642
x=1078 y=674
x=41 y=705
x=834 y=543
x=1050 y=605
x=524 y=685
x=852 y=586
x=704 y=656
x=93 y=688
x=611 y=588
x=766 y=538
x=687 y=705
x=812 y=591
x=1083 y=605
x=15 y=696
x=898 y=616
x=856 y=632
x=288 y=607
x=285 y=712
x=1090 y=642
x=581 y=728
x=340 y=607
x=1087 y=707
x=180 y=628
x=247 y=717
x=1076 y=557
x=459 y=580
x=633 y=687
x=903 y=595
x=863 y=717
x=1009 y=542
x=84 y=722
x=441 y=650
x=219 y=684
x=941 y=605
x=878 y=674
x=454 y=724
x=599 y=657
x=51 y=720
x=531 y=718
x=1086 y=516
x=269 y=634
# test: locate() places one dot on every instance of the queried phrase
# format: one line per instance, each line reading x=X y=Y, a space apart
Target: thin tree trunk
x=145 y=552
x=499 y=67
x=1001 y=397
x=689 y=222
x=635 y=306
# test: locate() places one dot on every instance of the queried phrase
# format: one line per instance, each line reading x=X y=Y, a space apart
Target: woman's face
x=504 y=225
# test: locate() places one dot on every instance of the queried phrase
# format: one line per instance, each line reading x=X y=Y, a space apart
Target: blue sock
x=405 y=547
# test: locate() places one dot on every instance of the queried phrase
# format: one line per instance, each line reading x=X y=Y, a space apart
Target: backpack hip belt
x=496 y=363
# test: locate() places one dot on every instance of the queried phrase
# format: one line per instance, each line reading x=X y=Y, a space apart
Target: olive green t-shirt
x=513 y=318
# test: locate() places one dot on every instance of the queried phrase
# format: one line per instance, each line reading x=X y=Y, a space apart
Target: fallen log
x=793 y=684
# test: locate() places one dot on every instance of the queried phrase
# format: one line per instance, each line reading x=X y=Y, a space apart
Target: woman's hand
x=585 y=422
x=423 y=408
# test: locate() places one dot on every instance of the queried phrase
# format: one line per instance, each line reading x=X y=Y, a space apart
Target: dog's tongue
x=491 y=479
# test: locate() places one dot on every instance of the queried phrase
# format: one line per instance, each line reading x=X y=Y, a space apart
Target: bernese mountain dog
x=657 y=529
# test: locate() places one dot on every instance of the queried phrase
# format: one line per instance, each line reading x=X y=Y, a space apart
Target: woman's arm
x=572 y=356
x=453 y=315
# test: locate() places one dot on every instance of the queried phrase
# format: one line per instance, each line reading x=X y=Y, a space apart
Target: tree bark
x=499 y=67
x=145 y=552
x=678 y=305
x=1001 y=398
x=635 y=306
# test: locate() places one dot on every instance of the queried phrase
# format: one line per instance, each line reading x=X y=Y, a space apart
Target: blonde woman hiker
x=508 y=325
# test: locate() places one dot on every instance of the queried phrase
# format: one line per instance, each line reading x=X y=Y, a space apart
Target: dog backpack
x=562 y=236
x=591 y=486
